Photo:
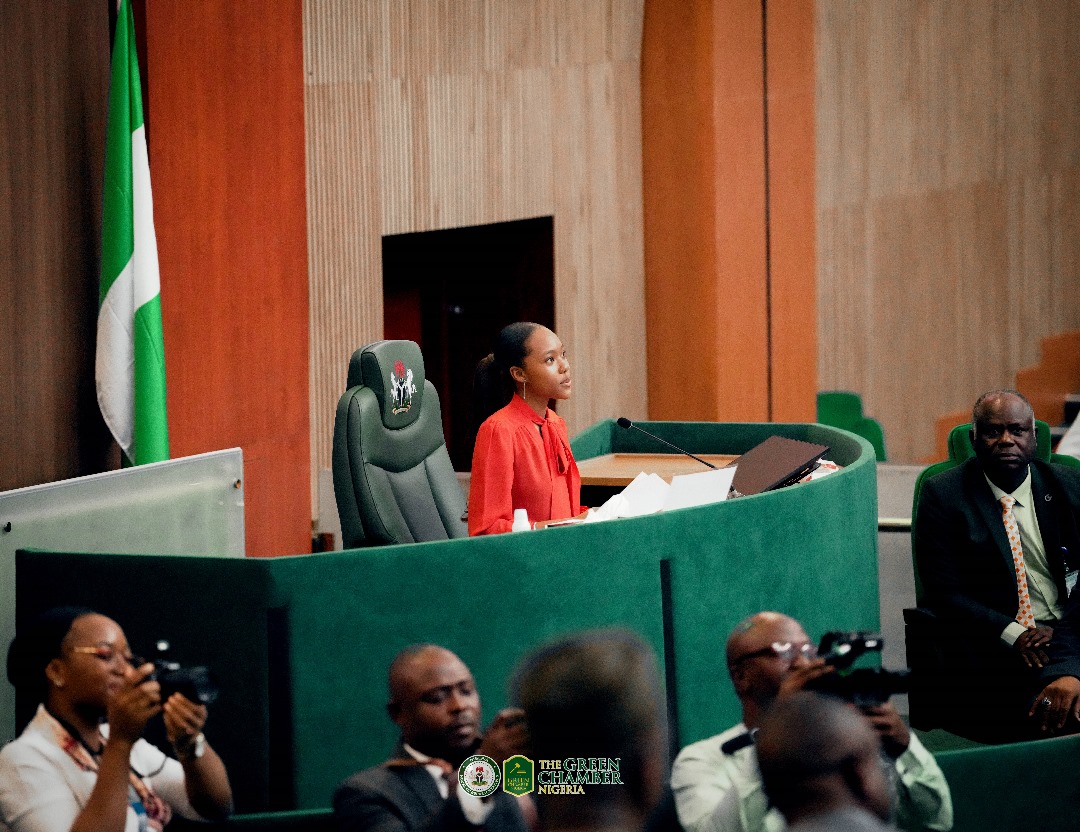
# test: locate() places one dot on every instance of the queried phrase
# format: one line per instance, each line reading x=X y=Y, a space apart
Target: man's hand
x=1058 y=701
x=1032 y=644
x=799 y=677
x=507 y=735
x=137 y=699
x=891 y=730
x=184 y=720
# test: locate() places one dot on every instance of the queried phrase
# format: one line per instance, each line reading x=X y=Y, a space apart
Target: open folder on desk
x=776 y=462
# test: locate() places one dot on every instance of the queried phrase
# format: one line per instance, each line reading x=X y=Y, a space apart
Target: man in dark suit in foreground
x=998 y=549
x=434 y=701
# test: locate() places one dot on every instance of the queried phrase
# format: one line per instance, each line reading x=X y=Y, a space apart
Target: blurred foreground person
x=821 y=766
x=594 y=699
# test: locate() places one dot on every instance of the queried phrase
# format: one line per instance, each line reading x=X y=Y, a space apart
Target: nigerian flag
x=130 y=366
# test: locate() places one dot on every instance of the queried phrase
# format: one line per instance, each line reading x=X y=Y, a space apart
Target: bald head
x=818 y=753
x=991 y=400
x=404 y=667
x=1003 y=436
x=433 y=699
x=758 y=631
x=761 y=651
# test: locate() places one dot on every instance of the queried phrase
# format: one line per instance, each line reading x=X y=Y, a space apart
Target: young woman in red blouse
x=522 y=457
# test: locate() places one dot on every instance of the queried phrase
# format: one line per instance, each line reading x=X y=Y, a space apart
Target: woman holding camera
x=68 y=770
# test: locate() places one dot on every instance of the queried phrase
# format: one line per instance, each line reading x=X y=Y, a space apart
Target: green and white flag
x=130 y=366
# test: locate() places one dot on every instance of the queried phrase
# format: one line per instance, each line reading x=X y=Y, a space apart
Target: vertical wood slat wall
x=431 y=114
x=948 y=200
x=55 y=69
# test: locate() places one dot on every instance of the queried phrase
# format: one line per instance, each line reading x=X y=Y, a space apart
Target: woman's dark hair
x=36 y=645
x=493 y=387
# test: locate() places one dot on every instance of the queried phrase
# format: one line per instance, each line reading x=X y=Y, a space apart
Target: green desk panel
x=306 y=640
x=1022 y=787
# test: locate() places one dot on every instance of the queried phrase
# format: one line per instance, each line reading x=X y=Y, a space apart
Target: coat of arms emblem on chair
x=401 y=388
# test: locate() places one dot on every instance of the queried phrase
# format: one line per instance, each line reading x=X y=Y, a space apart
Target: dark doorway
x=452 y=291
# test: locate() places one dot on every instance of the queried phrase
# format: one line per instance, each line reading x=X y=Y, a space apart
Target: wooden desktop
x=603 y=476
x=620 y=469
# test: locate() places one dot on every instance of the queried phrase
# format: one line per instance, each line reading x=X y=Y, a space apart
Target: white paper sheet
x=699 y=489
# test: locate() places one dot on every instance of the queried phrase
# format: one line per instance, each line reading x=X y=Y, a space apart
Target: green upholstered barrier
x=682 y=579
x=1020 y=787
x=298 y=820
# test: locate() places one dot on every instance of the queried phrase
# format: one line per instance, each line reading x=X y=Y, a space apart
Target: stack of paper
x=648 y=494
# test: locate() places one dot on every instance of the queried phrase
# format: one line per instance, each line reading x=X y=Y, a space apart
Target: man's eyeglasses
x=109 y=654
x=780 y=649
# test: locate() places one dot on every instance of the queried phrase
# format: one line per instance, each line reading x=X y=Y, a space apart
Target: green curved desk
x=302 y=643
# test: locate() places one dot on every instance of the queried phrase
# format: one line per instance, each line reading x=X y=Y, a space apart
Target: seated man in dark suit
x=998 y=548
x=434 y=701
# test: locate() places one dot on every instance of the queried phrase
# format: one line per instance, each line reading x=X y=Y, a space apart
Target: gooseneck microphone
x=623 y=422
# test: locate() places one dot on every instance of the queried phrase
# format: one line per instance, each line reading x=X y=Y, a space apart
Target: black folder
x=776 y=462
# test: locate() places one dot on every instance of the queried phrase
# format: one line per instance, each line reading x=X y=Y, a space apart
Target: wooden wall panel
x=792 y=238
x=432 y=114
x=679 y=164
x=728 y=103
x=227 y=160
x=948 y=170
x=55 y=66
x=741 y=352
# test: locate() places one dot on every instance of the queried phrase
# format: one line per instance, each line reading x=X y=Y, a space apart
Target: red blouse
x=522 y=461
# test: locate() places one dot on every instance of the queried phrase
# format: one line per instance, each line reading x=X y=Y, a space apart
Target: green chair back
x=393 y=479
x=839 y=408
x=843 y=409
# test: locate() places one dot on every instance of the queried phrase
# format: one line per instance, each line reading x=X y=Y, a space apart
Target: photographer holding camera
x=716 y=782
x=69 y=770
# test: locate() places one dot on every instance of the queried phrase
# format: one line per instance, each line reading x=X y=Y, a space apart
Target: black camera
x=862 y=686
x=195 y=683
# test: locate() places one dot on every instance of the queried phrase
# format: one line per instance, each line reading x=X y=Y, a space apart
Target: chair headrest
x=394 y=371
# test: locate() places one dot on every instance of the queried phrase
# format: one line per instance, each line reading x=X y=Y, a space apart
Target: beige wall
x=426 y=115
x=948 y=182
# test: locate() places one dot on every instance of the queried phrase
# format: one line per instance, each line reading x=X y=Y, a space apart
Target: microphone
x=623 y=422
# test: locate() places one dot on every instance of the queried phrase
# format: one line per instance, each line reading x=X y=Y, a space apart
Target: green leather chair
x=843 y=409
x=928 y=657
x=393 y=479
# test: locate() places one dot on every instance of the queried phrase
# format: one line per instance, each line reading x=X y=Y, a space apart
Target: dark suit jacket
x=965 y=562
x=403 y=799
